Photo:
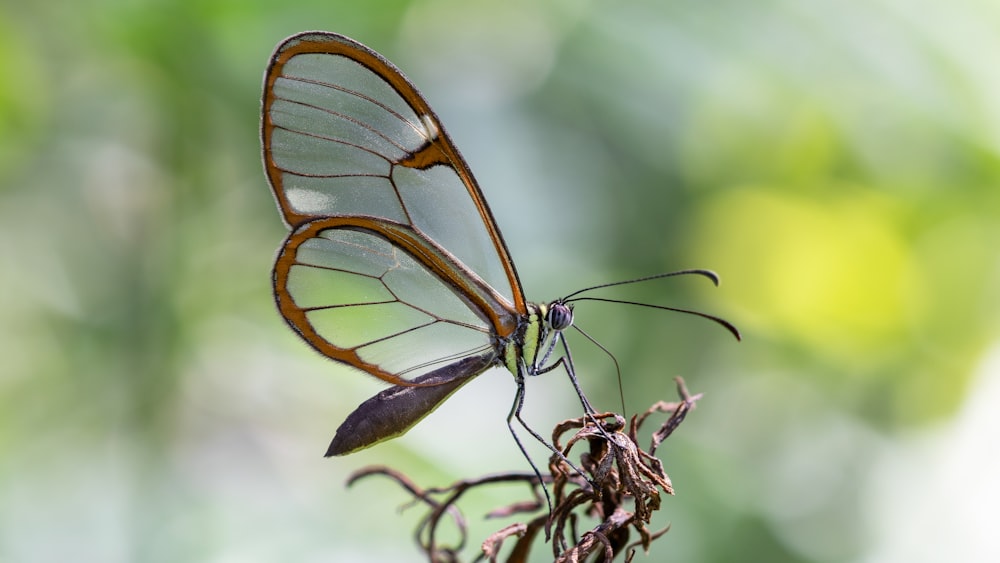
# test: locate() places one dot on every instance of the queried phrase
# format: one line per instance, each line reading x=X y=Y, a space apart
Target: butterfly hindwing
x=360 y=298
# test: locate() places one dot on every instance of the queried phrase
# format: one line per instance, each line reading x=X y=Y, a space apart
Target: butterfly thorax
x=534 y=336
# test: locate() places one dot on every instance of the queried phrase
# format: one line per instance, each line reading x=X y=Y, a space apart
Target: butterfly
x=394 y=264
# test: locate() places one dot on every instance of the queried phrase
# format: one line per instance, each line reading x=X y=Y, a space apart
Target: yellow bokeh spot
x=834 y=274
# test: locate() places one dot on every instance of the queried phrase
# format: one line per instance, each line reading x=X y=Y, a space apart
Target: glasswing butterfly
x=394 y=264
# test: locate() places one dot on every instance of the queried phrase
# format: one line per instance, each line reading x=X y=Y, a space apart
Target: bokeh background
x=836 y=162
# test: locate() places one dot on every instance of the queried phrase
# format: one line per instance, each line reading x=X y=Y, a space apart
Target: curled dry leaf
x=617 y=484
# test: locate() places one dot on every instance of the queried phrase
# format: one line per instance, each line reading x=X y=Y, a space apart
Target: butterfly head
x=559 y=315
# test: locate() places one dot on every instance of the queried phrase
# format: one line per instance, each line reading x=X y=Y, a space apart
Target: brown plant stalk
x=620 y=489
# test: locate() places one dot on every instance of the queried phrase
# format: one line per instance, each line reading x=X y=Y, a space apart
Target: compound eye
x=560 y=316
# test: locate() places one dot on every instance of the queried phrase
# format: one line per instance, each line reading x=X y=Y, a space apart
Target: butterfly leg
x=566 y=361
x=515 y=411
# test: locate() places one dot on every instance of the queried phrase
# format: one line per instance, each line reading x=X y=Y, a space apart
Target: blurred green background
x=836 y=163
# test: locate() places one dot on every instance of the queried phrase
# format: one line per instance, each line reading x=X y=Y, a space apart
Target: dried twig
x=621 y=492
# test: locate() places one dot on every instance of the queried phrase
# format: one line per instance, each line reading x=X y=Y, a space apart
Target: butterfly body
x=395 y=410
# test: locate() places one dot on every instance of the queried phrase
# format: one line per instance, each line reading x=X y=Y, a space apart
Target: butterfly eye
x=559 y=316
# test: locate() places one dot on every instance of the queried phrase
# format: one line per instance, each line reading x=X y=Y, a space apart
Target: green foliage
x=836 y=164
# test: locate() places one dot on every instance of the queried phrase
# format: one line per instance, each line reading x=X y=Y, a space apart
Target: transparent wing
x=376 y=296
x=346 y=134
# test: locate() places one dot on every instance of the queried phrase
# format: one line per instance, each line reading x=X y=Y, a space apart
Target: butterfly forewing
x=345 y=134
